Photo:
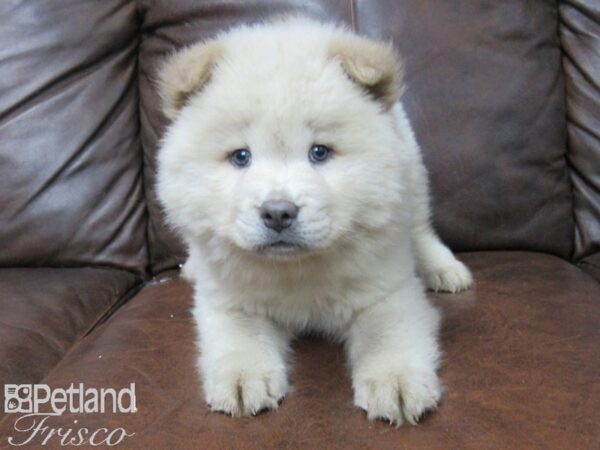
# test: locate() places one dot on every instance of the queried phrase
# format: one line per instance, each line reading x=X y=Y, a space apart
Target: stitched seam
x=148 y=268
x=568 y=167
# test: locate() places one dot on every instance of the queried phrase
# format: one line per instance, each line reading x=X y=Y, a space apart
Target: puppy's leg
x=191 y=266
x=393 y=351
x=436 y=264
x=242 y=360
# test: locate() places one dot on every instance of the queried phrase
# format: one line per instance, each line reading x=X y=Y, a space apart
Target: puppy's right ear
x=185 y=73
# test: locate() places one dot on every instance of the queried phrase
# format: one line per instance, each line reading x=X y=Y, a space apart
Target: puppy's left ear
x=372 y=65
x=186 y=72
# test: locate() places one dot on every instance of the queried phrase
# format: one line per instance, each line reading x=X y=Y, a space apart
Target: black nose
x=278 y=214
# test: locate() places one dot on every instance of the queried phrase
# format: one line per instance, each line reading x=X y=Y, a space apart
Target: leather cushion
x=522 y=357
x=485 y=93
x=70 y=159
x=43 y=312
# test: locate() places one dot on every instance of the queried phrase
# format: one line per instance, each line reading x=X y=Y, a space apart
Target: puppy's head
x=282 y=142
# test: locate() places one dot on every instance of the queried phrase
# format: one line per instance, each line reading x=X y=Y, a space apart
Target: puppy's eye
x=241 y=157
x=319 y=153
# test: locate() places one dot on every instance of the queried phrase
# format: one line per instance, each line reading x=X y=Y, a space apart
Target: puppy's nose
x=278 y=214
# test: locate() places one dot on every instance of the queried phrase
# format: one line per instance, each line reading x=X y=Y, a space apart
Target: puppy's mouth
x=281 y=247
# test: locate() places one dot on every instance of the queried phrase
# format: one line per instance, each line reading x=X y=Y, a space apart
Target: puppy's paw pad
x=450 y=277
x=396 y=398
x=246 y=393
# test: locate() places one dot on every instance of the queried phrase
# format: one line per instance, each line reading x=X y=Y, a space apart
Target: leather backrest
x=485 y=93
x=71 y=189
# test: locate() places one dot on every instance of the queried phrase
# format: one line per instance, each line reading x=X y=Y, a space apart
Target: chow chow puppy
x=292 y=174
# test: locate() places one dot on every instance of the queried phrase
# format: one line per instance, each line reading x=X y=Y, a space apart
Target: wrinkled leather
x=43 y=312
x=579 y=35
x=522 y=357
x=167 y=26
x=70 y=160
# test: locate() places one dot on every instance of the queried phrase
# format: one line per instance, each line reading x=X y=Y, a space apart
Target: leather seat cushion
x=522 y=358
x=43 y=312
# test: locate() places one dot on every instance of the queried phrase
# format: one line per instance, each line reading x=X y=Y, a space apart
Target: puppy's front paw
x=245 y=391
x=448 y=276
x=398 y=395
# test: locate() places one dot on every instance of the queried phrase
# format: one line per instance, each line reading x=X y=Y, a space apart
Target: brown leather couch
x=505 y=100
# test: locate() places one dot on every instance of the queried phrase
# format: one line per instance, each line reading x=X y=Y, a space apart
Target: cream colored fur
x=277 y=89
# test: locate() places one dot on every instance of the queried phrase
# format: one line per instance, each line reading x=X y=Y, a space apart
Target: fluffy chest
x=317 y=294
x=325 y=303
x=323 y=308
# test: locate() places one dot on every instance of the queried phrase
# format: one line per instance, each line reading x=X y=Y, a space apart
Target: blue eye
x=319 y=153
x=241 y=157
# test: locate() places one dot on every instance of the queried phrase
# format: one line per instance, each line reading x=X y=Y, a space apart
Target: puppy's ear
x=372 y=65
x=184 y=73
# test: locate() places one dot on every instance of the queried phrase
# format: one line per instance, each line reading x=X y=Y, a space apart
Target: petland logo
x=39 y=403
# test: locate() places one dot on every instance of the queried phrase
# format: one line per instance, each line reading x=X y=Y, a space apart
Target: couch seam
x=111 y=309
x=568 y=166
x=139 y=19
x=583 y=263
x=353 y=18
